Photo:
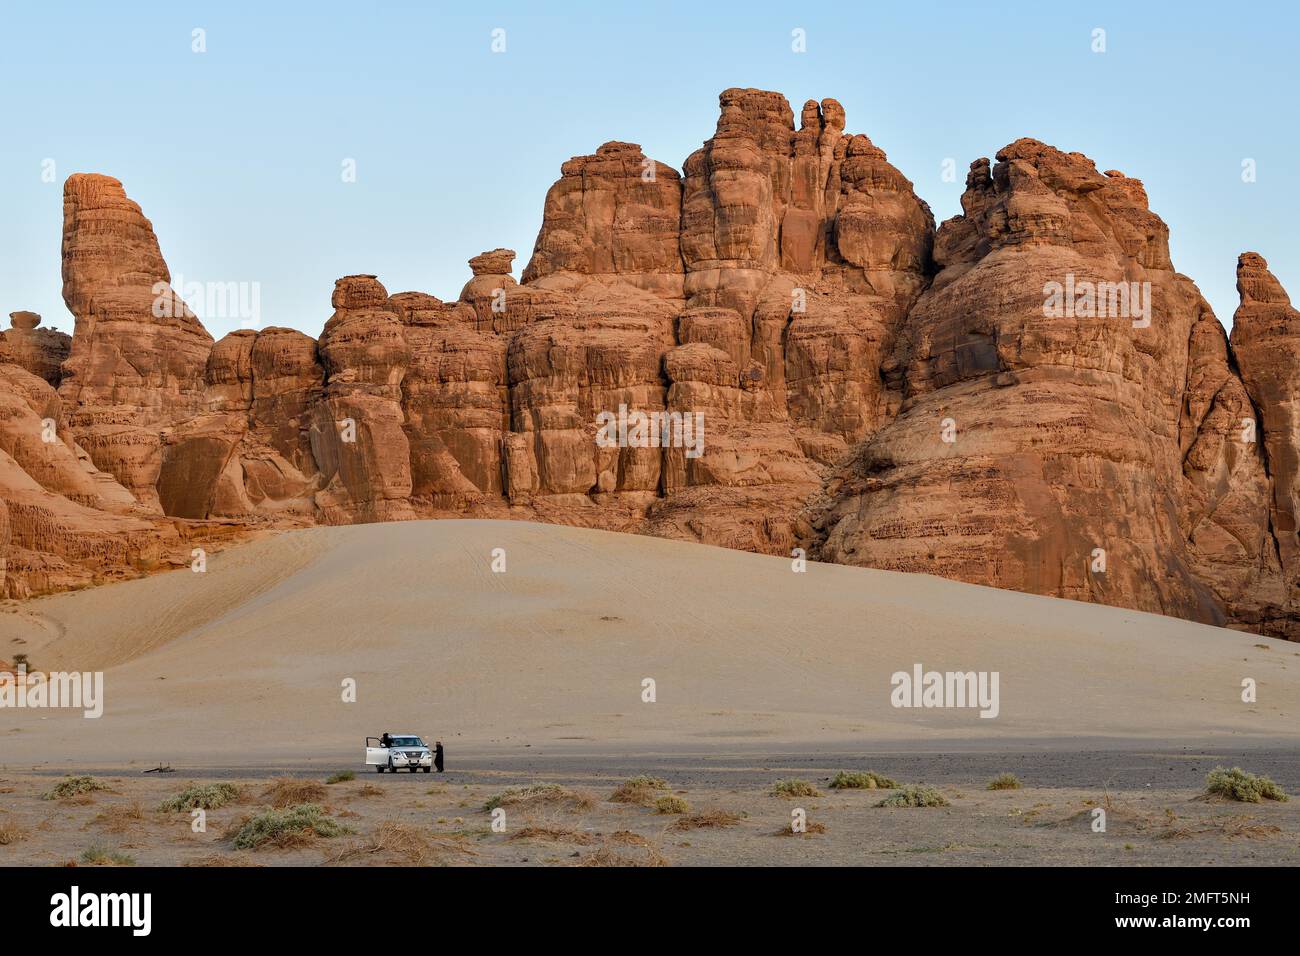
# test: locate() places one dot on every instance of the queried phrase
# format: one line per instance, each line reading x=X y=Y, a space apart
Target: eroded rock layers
x=772 y=349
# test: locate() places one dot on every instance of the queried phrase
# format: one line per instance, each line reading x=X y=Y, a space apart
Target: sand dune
x=247 y=661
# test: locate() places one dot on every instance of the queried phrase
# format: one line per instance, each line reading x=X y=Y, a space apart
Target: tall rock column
x=356 y=433
x=1266 y=342
x=138 y=353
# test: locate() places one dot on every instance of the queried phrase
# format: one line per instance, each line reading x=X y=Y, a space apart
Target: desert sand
x=245 y=664
x=534 y=675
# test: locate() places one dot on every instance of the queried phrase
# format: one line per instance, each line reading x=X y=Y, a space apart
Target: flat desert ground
x=243 y=674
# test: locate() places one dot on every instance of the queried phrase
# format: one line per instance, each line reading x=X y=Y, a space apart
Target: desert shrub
x=641 y=790
x=209 y=796
x=120 y=817
x=606 y=856
x=707 y=820
x=553 y=832
x=915 y=795
x=1237 y=784
x=1004 y=781
x=224 y=860
x=11 y=833
x=291 y=792
x=540 y=794
x=98 y=856
x=392 y=840
x=794 y=788
x=72 y=787
x=809 y=827
x=672 y=804
x=286 y=826
x=862 y=780
x=343 y=776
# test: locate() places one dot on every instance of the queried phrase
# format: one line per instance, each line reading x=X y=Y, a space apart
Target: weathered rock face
x=356 y=432
x=1028 y=440
x=65 y=524
x=1266 y=342
x=773 y=349
x=138 y=353
x=1064 y=430
x=761 y=198
x=617 y=213
x=249 y=456
x=454 y=398
x=1225 y=490
x=40 y=351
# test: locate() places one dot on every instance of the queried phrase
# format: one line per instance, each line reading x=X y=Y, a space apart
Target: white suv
x=398 y=752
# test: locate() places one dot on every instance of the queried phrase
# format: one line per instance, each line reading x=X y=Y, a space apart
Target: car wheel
x=427 y=769
x=379 y=768
x=413 y=769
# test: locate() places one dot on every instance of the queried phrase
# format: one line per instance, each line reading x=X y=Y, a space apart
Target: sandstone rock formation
x=1266 y=343
x=784 y=351
x=138 y=353
x=65 y=523
x=40 y=351
x=1071 y=423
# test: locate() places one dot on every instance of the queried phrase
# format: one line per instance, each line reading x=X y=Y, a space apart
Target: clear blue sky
x=236 y=153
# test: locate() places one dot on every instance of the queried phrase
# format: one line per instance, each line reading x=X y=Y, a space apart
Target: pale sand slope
x=245 y=663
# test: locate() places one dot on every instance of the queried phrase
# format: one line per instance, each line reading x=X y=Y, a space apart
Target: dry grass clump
x=810 y=827
x=607 y=855
x=99 y=856
x=915 y=795
x=286 y=827
x=862 y=780
x=794 y=787
x=395 y=842
x=1237 y=784
x=292 y=792
x=1232 y=827
x=11 y=833
x=537 y=795
x=626 y=838
x=707 y=819
x=1004 y=781
x=223 y=860
x=210 y=796
x=554 y=832
x=120 y=817
x=343 y=776
x=71 y=787
x=640 y=790
x=1120 y=817
x=670 y=803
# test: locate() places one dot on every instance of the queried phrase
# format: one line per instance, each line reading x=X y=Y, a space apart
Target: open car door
x=376 y=756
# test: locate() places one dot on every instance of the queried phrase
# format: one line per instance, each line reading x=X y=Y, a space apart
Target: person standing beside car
x=437 y=755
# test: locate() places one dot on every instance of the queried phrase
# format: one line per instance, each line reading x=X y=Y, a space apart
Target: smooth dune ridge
x=247 y=661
